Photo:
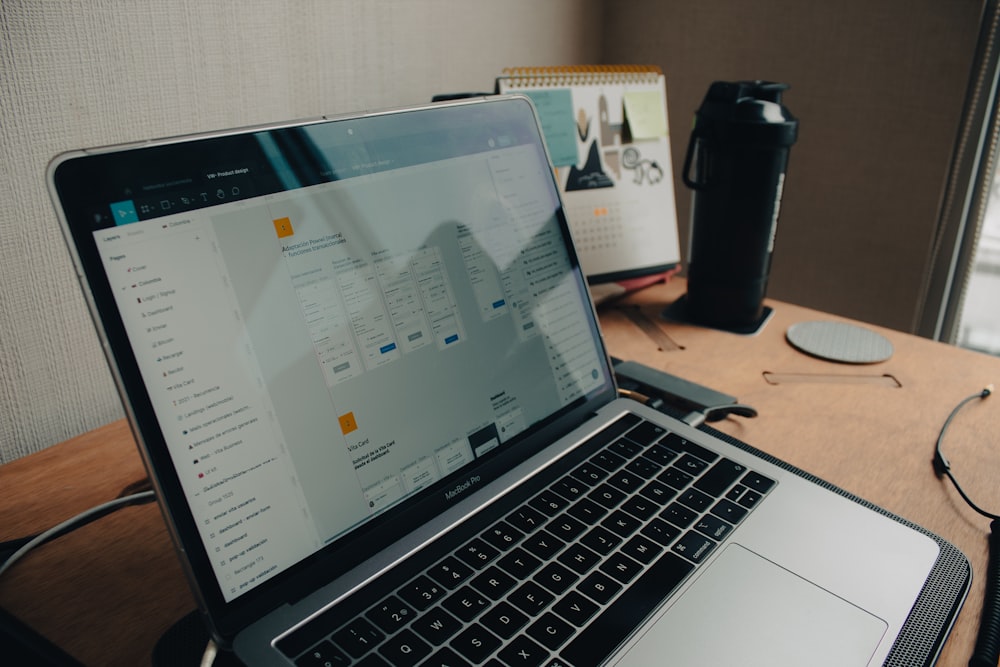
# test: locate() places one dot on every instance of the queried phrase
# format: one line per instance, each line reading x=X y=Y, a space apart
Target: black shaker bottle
x=735 y=166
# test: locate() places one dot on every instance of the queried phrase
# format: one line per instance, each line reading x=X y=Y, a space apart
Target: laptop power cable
x=987 y=649
x=13 y=550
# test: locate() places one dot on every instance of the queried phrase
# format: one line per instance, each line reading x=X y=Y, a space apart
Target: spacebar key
x=607 y=632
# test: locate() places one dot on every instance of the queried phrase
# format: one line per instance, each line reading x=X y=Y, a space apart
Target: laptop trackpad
x=747 y=610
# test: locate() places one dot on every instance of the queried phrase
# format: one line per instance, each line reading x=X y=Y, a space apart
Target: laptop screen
x=314 y=323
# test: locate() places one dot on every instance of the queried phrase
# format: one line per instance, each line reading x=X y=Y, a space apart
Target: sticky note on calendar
x=555 y=113
x=646 y=114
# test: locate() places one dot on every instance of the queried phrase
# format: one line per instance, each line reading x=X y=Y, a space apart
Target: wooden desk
x=108 y=591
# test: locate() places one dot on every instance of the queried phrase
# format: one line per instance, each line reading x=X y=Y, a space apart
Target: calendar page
x=607 y=134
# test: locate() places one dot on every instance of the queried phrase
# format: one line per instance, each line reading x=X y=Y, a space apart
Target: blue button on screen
x=124 y=212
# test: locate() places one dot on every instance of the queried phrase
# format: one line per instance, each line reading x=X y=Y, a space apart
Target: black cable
x=719 y=412
x=941 y=464
x=715 y=413
x=987 y=649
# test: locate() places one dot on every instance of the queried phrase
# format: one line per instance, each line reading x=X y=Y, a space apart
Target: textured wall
x=93 y=72
x=878 y=86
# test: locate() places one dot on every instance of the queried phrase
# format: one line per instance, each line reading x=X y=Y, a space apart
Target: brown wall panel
x=878 y=88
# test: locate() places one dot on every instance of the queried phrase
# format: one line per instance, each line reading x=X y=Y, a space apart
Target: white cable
x=84 y=517
x=208 y=657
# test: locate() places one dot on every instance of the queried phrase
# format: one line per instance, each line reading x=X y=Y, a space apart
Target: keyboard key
x=713 y=527
x=358 y=637
x=679 y=444
x=621 y=523
x=679 y=515
x=729 y=511
x=590 y=474
x=466 y=603
x=475 y=644
x=504 y=620
x=436 y=626
x=503 y=536
x=446 y=658
x=587 y=511
x=493 y=583
x=674 y=478
x=621 y=567
x=749 y=499
x=607 y=496
x=646 y=433
x=556 y=578
x=545 y=545
x=625 y=448
x=758 y=482
x=550 y=631
x=614 y=430
x=694 y=546
x=524 y=652
x=642 y=548
x=372 y=660
x=658 y=492
x=570 y=488
x=640 y=507
x=601 y=540
x=599 y=587
x=719 y=477
x=526 y=519
x=575 y=608
x=626 y=481
x=548 y=503
x=530 y=598
x=735 y=492
x=324 y=654
x=566 y=527
x=450 y=572
x=644 y=468
x=660 y=455
x=519 y=563
x=608 y=460
x=691 y=465
x=477 y=553
x=695 y=499
x=579 y=558
x=660 y=532
x=421 y=593
x=615 y=623
x=405 y=649
x=390 y=614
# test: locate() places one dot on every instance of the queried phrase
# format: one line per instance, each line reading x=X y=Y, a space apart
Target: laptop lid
x=326 y=332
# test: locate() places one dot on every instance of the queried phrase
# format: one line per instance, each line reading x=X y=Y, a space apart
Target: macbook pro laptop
x=363 y=370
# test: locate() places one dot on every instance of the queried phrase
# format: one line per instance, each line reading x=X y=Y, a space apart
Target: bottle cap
x=746 y=112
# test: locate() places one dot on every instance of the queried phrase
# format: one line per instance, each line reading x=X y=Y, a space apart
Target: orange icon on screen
x=347 y=423
x=284 y=227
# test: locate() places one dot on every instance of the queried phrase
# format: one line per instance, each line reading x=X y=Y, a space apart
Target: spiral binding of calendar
x=576 y=75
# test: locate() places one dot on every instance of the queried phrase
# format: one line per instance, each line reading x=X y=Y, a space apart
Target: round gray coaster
x=838 y=341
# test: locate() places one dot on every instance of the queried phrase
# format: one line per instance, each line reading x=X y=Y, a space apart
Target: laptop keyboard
x=562 y=579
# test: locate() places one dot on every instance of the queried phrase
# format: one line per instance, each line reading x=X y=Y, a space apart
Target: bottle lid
x=747 y=112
